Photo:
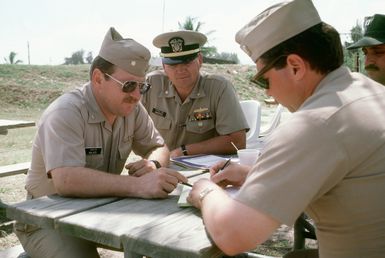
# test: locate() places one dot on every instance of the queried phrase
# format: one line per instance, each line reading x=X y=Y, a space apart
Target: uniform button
x=198 y=94
x=92 y=117
x=166 y=92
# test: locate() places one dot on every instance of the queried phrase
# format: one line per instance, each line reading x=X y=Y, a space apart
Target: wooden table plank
x=45 y=210
x=6 y=124
x=10 y=124
x=108 y=223
x=181 y=234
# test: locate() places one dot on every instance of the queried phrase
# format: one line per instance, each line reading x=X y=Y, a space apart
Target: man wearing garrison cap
x=373 y=46
x=326 y=160
x=84 y=138
x=194 y=112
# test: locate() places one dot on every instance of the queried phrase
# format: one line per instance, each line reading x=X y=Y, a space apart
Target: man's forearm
x=86 y=182
x=162 y=155
x=219 y=144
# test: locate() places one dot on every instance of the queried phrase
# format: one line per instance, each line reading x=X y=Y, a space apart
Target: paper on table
x=198 y=161
x=182 y=202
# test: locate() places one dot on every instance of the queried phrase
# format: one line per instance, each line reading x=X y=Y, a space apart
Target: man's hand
x=176 y=153
x=194 y=196
x=234 y=174
x=141 y=167
x=160 y=183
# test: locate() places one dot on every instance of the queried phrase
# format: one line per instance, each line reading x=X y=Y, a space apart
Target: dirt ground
x=12 y=191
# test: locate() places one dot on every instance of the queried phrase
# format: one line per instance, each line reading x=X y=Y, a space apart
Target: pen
x=225 y=165
x=186 y=184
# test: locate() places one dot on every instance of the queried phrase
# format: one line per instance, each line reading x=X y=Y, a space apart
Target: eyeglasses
x=130 y=86
x=258 y=78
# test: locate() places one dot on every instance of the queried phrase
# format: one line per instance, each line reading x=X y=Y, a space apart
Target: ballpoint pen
x=225 y=165
x=186 y=184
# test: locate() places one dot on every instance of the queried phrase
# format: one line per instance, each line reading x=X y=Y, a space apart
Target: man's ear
x=97 y=77
x=296 y=65
x=200 y=58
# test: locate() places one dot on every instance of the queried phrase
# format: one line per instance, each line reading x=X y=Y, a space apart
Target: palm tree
x=191 y=23
x=11 y=59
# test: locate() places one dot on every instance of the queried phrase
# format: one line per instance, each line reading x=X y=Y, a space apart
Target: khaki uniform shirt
x=328 y=159
x=212 y=109
x=73 y=132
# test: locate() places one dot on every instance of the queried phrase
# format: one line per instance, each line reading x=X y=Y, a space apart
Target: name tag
x=93 y=151
x=159 y=112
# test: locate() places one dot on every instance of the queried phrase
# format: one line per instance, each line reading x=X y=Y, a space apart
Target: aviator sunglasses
x=130 y=86
x=259 y=80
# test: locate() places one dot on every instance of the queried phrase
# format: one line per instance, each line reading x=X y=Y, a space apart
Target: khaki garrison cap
x=127 y=54
x=276 y=24
x=179 y=46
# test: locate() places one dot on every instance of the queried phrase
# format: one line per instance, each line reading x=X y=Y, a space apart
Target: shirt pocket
x=162 y=123
x=200 y=127
x=95 y=161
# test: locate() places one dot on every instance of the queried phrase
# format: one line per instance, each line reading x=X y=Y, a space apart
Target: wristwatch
x=157 y=164
x=204 y=193
x=184 y=150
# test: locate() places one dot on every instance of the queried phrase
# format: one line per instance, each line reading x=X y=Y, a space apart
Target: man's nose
x=370 y=59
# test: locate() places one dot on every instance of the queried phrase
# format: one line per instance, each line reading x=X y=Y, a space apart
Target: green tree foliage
x=354 y=58
x=12 y=59
x=76 y=58
x=191 y=23
x=89 y=58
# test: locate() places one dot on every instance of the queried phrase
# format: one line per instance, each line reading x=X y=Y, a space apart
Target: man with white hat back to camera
x=373 y=46
x=84 y=138
x=195 y=113
x=326 y=160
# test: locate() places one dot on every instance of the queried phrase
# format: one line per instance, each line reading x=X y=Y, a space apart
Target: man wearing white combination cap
x=84 y=138
x=326 y=160
x=195 y=113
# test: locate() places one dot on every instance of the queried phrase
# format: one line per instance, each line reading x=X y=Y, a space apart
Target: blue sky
x=55 y=29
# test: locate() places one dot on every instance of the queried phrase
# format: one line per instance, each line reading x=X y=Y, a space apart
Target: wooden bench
x=14 y=169
x=10 y=170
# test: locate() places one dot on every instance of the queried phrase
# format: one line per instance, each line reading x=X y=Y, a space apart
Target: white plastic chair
x=252 y=111
x=274 y=122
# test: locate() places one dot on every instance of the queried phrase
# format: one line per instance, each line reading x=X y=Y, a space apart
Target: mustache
x=131 y=100
x=372 y=67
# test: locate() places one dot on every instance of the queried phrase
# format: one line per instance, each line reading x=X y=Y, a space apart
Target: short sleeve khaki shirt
x=328 y=160
x=73 y=132
x=212 y=109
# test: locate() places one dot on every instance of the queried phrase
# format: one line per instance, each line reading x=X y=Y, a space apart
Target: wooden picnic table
x=155 y=228
x=6 y=124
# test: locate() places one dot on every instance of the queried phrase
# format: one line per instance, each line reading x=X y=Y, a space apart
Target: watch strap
x=184 y=150
x=157 y=164
x=204 y=193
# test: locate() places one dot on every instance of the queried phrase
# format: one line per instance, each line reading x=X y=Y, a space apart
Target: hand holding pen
x=225 y=165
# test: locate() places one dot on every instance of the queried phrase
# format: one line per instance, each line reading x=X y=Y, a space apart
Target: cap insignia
x=176 y=44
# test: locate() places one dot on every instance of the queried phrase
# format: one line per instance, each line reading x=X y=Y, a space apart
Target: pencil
x=186 y=184
x=235 y=147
